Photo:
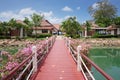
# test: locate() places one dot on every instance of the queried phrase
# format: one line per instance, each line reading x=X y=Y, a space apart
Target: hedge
x=41 y=35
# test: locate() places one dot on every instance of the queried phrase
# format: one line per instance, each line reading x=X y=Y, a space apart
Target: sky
x=54 y=11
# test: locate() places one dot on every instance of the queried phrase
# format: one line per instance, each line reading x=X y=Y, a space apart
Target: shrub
x=42 y=35
x=5 y=37
x=96 y=35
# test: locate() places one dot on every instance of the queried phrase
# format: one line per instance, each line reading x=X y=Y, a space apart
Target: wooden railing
x=80 y=62
x=30 y=65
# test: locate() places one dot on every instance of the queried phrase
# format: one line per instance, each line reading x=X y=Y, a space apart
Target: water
x=107 y=59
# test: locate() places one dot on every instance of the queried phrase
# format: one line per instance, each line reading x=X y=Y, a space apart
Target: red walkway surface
x=59 y=65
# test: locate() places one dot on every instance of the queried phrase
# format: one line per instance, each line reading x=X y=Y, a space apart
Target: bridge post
x=79 y=66
x=47 y=44
x=66 y=41
x=52 y=41
x=69 y=43
x=34 y=58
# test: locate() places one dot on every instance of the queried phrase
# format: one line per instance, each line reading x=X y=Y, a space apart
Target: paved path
x=59 y=64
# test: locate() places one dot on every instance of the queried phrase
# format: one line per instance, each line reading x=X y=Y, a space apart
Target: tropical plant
x=116 y=21
x=103 y=12
x=87 y=28
x=28 y=29
x=71 y=26
x=18 y=26
x=36 y=18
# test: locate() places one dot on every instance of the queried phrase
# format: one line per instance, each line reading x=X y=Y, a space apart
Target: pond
x=108 y=59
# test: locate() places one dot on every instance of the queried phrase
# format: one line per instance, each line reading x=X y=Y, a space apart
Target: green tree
x=71 y=27
x=18 y=26
x=28 y=29
x=88 y=28
x=36 y=18
x=4 y=28
x=104 y=22
x=103 y=11
x=116 y=21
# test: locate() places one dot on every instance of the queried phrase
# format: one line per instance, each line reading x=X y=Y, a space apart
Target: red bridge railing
x=80 y=62
x=28 y=67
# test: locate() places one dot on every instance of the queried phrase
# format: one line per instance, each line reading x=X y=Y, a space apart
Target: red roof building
x=18 y=32
x=46 y=27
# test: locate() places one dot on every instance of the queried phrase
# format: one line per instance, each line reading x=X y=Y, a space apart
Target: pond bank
x=104 y=43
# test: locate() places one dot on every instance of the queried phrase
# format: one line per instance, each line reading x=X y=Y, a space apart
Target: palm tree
x=71 y=26
x=17 y=26
x=5 y=28
x=87 y=28
x=36 y=18
x=28 y=28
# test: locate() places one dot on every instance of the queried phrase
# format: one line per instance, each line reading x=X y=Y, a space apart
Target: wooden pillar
x=34 y=58
x=79 y=66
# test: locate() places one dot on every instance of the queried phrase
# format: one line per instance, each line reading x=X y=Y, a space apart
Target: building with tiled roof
x=46 y=27
x=110 y=30
x=57 y=26
x=18 y=32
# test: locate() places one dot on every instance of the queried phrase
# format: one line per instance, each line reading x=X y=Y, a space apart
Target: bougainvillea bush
x=9 y=62
x=14 y=60
x=84 y=49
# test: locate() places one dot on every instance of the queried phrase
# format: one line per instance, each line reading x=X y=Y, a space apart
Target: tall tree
x=116 y=21
x=87 y=28
x=17 y=25
x=4 y=28
x=103 y=11
x=71 y=27
x=36 y=18
x=28 y=30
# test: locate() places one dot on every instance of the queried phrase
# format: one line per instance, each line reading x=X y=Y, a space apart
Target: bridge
x=55 y=61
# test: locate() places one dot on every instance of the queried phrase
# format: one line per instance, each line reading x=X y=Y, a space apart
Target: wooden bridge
x=55 y=62
x=59 y=65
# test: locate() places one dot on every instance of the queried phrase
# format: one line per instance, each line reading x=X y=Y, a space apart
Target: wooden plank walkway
x=59 y=65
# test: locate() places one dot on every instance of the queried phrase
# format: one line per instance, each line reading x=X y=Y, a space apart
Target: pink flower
x=10 y=65
x=27 y=51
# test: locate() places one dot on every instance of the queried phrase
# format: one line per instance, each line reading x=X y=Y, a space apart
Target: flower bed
x=10 y=61
x=22 y=54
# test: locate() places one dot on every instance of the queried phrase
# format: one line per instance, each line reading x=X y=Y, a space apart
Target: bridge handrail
x=80 y=56
x=28 y=62
x=97 y=67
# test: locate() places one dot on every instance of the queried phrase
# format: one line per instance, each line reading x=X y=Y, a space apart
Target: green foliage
x=71 y=27
x=116 y=21
x=4 y=28
x=36 y=18
x=103 y=9
x=104 y=22
x=96 y=35
x=103 y=13
x=42 y=35
x=88 y=25
x=29 y=26
x=5 y=37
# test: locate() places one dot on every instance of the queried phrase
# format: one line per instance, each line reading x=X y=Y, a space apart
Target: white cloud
x=78 y=8
x=55 y=20
x=66 y=17
x=66 y=8
x=27 y=12
x=47 y=14
x=95 y=5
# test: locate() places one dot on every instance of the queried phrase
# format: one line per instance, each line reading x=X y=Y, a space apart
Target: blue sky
x=54 y=10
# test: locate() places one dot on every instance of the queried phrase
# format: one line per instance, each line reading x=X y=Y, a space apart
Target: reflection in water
x=107 y=59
